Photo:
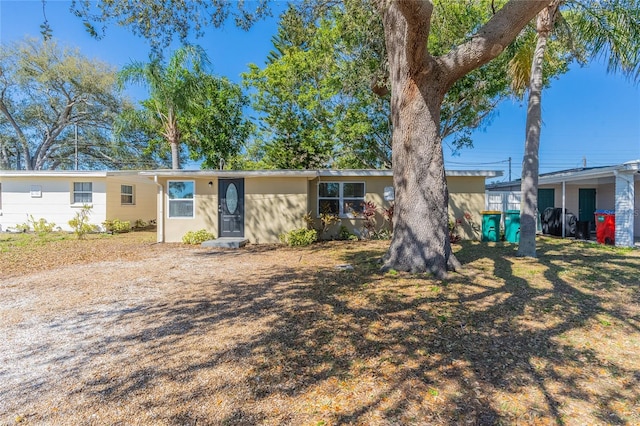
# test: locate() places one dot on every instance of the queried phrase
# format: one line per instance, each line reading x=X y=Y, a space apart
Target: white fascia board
x=310 y=174
x=384 y=173
x=580 y=175
x=354 y=172
x=475 y=173
x=50 y=173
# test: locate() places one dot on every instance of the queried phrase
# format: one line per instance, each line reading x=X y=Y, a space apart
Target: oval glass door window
x=231 y=198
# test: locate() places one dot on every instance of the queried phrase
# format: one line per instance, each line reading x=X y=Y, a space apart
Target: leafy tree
x=419 y=79
x=298 y=115
x=564 y=31
x=170 y=89
x=353 y=55
x=50 y=94
x=215 y=127
x=186 y=105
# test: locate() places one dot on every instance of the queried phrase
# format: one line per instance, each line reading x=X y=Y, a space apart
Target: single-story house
x=260 y=205
x=584 y=190
x=56 y=196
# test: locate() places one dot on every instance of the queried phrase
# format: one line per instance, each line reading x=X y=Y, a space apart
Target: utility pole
x=509 y=169
x=76 y=139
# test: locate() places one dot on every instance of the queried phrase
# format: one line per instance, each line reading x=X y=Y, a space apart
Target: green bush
x=41 y=226
x=80 y=223
x=117 y=226
x=139 y=224
x=299 y=237
x=344 y=234
x=197 y=237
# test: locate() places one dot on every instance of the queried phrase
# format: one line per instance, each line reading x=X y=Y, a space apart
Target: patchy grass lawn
x=120 y=330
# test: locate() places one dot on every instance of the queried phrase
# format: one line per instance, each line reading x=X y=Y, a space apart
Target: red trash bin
x=605 y=226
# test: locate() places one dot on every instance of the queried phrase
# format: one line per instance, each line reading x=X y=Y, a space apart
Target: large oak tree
x=419 y=82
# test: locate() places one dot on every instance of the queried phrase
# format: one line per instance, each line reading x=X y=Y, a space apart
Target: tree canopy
x=54 y=101
x=186 y=105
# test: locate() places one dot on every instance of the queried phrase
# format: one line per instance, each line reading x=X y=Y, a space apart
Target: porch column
x=624 y=208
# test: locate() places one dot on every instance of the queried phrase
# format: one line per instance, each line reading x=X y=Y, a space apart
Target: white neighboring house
x=57 y=195
x=584 y=190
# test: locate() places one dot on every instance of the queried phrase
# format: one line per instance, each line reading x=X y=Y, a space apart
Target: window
x=126 y=194
x=181 y=198
x=341 y=198
x=82 y=192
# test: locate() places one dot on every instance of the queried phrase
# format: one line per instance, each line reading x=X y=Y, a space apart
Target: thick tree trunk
x=420 y=240
x=420 y=233
x=418 y=83
x=531 y=162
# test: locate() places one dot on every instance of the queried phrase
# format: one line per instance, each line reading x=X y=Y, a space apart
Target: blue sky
x=588 y=115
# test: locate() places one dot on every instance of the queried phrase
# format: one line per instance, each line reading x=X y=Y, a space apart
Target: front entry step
x=226 y=243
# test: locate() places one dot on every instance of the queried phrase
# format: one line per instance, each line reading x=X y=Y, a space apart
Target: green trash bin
x=491 y=225
x=512 y=226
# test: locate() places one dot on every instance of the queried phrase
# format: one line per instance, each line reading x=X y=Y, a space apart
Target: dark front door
x=231 y=208
x=587 y=206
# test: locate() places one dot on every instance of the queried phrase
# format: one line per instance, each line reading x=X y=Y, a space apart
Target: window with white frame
x=126 y=195
x=82 y=192
x=344 y=199
x=181 y=198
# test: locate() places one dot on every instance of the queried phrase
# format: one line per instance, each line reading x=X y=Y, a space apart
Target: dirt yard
x=122 y=331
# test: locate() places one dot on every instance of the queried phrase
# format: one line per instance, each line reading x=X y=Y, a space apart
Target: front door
x=231 y=208
x=587 y=206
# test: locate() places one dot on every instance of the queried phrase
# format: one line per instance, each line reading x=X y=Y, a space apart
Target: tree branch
x=491 y=39
x=417 y=15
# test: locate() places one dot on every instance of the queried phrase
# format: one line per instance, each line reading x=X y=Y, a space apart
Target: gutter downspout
x=160 y=208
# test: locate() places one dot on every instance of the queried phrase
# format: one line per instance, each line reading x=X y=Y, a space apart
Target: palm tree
x=171 y=87
x=595 y=29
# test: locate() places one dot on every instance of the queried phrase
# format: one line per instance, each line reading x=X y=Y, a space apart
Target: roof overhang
x=310 y=174
x=66 y=173
x=591 y=174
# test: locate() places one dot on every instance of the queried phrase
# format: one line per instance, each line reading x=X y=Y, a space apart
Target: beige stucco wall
x=267 y=213
x=374 y=191
x=273 y=206
x=466 y=194
x=145 y=199
x=205 y=210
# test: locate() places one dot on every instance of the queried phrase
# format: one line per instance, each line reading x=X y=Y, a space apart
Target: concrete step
x=226 y=243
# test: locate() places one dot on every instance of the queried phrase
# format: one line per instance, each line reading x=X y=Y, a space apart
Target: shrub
x=23 y=227
x=368 y=214
x=139 y=224
x=117 y=226
x=41 y=226
x=387 y=213
x=328 y=220
x=197 y=237
x=308 y=220
x=299 y=237
x=80 y=223
x=344 y=234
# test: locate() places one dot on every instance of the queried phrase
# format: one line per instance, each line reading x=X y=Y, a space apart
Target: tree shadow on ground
x=308 y=344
